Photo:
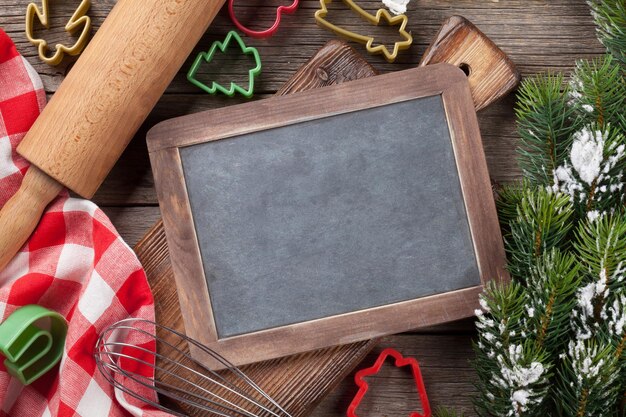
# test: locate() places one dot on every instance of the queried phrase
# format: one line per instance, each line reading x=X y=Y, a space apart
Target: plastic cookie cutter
x=400 y=362
x=30 y=348
x=79 y=19
x=368 y=41
x=262 y=33
x=208 y=57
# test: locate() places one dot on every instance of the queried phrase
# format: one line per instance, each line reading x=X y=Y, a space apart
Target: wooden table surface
x=545 y=35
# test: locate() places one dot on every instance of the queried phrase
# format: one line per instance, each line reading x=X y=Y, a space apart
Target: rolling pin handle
x=20 y=215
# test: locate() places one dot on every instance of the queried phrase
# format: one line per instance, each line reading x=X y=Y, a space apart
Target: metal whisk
x=125 y=355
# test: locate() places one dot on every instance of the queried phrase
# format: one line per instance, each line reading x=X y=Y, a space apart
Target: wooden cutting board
x=297 y=382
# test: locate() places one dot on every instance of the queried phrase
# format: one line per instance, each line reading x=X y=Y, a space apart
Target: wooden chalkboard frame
x=165 y=140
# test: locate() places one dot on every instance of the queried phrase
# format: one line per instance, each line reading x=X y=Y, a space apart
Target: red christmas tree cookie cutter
x=400 y=362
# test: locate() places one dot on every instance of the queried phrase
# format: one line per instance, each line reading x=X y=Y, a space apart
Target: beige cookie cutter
x=78 y=19
x=320 y=18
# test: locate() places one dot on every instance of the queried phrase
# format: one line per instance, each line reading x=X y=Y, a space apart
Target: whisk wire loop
x=226 y=384
x=173 y=390
x=174 y=378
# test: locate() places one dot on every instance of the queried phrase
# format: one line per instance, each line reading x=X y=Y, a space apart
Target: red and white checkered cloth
x=75 y=263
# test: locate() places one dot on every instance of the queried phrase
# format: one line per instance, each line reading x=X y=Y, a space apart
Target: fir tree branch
x=447 y=412
x=588 y=381
x=509 y=198
x=593 y=175
x=601 y=247
x=610 y=17
x=542 y=223
x=545 y=124
x=552 y=287
x=598 y=91
x=513 y=372
x=565 y=237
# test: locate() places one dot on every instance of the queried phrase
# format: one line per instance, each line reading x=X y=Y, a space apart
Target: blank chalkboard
x=328 y=217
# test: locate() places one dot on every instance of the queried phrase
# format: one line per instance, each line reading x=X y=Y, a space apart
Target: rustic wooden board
x=311 y=374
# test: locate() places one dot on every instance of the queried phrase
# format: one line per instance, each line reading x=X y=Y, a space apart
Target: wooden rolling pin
x=100 y=105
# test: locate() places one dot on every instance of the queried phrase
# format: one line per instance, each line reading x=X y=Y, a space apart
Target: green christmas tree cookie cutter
x=31 y=349
x=208 y=57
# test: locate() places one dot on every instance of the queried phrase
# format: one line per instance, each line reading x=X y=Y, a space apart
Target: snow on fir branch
x=593 y=174
x=523 y=377
x=589 y=380
x=601 y=302
x=551 y=343
x=598 y=310
x=514 y=370
x=596 y=91
x=551 y=289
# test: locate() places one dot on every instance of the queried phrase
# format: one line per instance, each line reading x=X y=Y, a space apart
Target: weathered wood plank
x=132 y=222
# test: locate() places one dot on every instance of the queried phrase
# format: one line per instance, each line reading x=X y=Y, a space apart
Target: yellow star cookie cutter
x=78 y=19
x=402 y=20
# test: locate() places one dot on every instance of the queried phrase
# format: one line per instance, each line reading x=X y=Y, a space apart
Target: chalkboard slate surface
x=329 y=216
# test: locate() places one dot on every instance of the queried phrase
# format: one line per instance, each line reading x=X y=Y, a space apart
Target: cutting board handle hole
x=465 y=68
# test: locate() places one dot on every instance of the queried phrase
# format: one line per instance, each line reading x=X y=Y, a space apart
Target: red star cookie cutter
x=262 y=33
x=400 y=362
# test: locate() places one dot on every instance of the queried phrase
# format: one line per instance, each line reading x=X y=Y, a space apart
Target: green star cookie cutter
x=208 y=56
x=31 y=349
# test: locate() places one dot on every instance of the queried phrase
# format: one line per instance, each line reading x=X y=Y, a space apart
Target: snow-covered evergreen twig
x=588 y=383
x=513 y=370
